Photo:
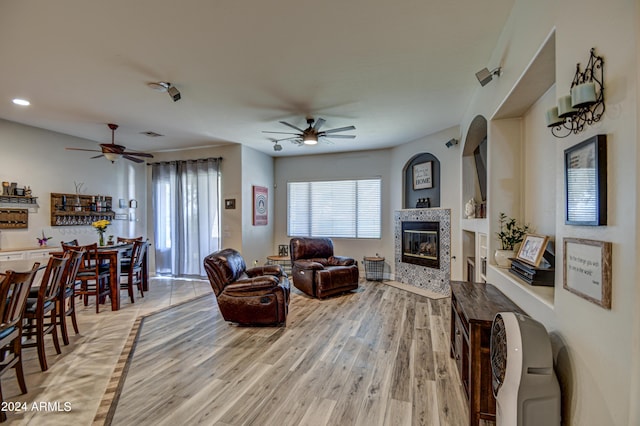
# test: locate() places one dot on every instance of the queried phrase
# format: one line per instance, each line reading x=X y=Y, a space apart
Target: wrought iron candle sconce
x=585 y=104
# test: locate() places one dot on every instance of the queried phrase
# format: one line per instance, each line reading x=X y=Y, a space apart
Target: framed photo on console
x=585 y=176
x=532 y=249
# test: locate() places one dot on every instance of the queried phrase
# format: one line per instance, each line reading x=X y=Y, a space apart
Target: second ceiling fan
x=312 y=134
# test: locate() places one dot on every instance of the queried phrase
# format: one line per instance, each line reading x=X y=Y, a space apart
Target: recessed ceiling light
x=21 y=102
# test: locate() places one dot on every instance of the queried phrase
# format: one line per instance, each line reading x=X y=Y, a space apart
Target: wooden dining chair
x=14 y=290
x=67 y=294
x=93 y=275
x=40 y=314
x=128 y=240
x=134 y=270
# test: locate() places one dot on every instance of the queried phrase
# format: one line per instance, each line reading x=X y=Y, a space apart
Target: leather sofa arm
x=341 y=261
x=308 y=265
x=275 y=270
x=265 y=282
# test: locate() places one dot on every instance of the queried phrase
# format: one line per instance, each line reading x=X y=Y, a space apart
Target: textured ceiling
x=396 y=70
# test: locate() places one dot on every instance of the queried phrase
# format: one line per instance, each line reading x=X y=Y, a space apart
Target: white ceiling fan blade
x=292 y=126
x=318 y=123
x=339 y=136
x=280 y=133
x=339 y=129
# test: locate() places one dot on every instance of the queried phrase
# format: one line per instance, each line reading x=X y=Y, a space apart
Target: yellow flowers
x=101 y=225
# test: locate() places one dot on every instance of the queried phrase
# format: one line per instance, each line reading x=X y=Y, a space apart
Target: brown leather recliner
x=317 y=272
x=257 y=295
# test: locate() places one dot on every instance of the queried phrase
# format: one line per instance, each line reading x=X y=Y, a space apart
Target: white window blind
x=341 y=209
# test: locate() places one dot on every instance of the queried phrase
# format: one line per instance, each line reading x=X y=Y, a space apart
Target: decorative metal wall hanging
x=584 y=104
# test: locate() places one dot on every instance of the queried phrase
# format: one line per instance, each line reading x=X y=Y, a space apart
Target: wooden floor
x=378 y=356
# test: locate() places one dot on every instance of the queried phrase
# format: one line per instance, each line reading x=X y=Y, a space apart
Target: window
x=341 y=209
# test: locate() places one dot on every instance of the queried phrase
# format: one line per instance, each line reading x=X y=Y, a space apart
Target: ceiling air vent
x=151 y=134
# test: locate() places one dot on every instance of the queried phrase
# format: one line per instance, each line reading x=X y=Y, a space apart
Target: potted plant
x=511 y=233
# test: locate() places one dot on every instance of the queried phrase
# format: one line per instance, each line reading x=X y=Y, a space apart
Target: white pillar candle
x=552 y=117
x=583 y=95
x=564 y=107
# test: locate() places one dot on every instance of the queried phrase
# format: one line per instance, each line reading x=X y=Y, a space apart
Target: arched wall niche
x=411 y=195
x=474 y=174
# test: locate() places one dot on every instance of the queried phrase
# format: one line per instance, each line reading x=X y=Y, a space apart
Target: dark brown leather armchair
x=257 y=295
x=317 y=272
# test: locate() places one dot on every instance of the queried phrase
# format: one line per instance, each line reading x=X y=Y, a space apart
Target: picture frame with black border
x=585 y=173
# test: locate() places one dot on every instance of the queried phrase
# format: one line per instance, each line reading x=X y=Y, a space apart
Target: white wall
x=37 y=157
x=596 y=349
x=351 y=165
x=257 y=241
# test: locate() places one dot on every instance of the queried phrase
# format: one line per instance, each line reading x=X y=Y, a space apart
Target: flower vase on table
x=101 y=227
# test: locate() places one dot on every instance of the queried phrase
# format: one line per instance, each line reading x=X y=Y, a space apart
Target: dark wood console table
x=473 y=306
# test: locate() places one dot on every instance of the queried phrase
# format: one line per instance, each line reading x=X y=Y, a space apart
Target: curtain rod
x=186 y=161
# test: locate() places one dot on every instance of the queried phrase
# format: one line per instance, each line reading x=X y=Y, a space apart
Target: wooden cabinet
x=35 y=254
x=473 y=306
x=79 y=210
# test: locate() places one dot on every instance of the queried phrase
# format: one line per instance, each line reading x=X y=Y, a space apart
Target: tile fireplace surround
x=436 y=280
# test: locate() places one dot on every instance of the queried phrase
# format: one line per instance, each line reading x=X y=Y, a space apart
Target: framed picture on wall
x=423 y=175
x=585 y=175
x=587 y=270
x=260 y=205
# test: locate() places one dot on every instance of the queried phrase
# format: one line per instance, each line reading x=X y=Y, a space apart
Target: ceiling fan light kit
x=310 y=139
x=311 y=135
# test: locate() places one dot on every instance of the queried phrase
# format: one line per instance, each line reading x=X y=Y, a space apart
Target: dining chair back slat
x=40 y=313
x=134 y=272
x=93 y=274
x=14 y=290
x=66 y=298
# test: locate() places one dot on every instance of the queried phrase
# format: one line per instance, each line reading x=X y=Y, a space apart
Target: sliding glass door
x=186 y=199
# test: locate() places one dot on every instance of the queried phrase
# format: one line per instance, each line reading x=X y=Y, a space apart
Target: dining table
x=113 y=254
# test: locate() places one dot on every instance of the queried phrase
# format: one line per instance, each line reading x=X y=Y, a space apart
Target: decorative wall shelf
x=12 y=201
x=14 y=218
x=79 y=210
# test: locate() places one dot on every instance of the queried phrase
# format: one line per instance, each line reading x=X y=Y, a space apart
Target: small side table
x=284 y=261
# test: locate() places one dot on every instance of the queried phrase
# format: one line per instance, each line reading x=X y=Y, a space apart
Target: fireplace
x=421 y=243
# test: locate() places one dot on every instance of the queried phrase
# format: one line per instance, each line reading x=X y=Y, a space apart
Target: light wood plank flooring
x=81 y=374
x=378 y=356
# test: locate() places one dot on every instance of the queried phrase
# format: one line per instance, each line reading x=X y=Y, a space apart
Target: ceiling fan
x=311 y=134
x=113 y=152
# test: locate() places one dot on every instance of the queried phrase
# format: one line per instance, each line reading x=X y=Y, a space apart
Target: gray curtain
x=186 y=215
